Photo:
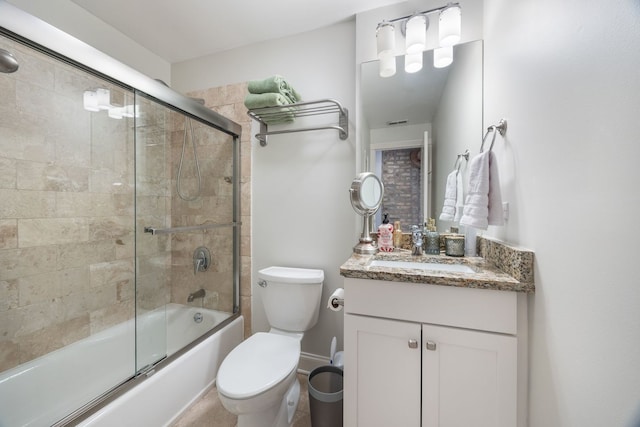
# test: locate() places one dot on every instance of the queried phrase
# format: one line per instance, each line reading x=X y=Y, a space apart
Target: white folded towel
x=496 y=216
x=459 y=197
x=450 y=197
x=483 y=206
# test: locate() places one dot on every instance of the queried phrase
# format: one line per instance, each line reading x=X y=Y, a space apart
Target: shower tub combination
x=120 y=249
x=30 y=394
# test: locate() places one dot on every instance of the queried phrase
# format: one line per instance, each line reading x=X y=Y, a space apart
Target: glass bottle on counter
x=432 y=238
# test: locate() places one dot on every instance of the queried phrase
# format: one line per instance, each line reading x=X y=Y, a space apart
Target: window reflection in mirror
x=440 y=113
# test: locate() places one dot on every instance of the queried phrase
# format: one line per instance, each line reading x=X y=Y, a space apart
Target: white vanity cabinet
x=431 y=356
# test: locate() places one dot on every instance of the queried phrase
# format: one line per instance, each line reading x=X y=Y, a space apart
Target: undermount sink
x=426 y=266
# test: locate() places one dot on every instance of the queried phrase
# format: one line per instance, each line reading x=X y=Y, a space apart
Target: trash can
x=325 y=396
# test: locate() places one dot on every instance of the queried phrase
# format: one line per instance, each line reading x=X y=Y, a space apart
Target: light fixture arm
x=424 y=12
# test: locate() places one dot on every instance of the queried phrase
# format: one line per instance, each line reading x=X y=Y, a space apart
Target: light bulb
x=90 y=101
x=385 y=39
x=443 y=56
x=416 y=31
x=449 y=26
x=387 y=66
x=413 y=62
x=104 y=98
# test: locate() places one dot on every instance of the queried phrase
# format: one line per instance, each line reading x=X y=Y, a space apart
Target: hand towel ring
x=501 y=127
x=459 y=158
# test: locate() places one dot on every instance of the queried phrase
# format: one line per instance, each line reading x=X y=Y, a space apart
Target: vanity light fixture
x=414 y=27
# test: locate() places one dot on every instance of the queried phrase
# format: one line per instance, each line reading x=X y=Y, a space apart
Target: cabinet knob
x=413 y=343
x=431 y=345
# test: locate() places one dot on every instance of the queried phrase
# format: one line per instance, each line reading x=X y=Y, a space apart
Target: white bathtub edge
x=165 y=395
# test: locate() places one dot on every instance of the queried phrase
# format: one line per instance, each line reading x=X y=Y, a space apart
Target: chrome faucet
x=200 y=293
x=416 y=239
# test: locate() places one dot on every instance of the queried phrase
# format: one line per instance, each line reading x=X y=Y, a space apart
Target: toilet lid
x=257 y=364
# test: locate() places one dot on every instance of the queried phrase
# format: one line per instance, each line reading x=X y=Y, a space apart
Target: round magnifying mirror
x=366 y=193
x=366 y=196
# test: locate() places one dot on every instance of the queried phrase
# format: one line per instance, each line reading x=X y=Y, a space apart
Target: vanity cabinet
x=430 y=356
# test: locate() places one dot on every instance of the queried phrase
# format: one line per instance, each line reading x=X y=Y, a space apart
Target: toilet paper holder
x=337 y=302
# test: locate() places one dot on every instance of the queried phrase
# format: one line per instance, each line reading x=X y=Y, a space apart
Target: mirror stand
x=366 y=245
x=366 y=196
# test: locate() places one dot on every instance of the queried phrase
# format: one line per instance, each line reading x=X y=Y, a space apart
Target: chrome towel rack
x=284 y=113
x=500 y=128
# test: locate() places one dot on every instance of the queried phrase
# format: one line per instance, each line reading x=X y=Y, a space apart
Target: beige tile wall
x=66 y=210
x=229 y=101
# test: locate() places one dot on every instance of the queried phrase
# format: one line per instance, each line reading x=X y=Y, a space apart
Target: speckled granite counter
x=486 y=274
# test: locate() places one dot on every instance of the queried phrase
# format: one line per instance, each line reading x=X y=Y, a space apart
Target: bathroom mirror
x=366 y=195
x=437 y=111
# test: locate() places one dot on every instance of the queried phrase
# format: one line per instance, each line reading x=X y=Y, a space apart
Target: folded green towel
x=263 y=100
x=275 y=84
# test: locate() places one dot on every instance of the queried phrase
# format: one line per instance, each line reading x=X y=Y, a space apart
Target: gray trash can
x=325 y=396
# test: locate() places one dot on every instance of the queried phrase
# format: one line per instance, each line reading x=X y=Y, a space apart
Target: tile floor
x=209 y=412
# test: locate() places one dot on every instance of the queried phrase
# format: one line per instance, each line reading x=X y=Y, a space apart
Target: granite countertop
x=486 y=274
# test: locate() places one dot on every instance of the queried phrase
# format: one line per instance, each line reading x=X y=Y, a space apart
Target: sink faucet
x=197 y=294
x=416 y=239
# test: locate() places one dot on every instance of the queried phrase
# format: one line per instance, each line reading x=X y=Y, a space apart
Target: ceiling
x=181 y=30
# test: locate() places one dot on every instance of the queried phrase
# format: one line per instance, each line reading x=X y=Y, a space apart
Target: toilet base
x=282 y=414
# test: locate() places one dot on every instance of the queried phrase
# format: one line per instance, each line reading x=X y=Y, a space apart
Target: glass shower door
x=66 y=239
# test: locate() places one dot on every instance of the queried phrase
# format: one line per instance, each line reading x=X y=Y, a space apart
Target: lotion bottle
x=397 y=235
x=385 y=235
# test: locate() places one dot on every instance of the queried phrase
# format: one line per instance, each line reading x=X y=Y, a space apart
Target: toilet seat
x=257 y=365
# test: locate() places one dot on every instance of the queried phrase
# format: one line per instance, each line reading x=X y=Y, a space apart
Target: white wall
x=301 y=215
x=566 y=76
x=457 y=125
x=74 y=20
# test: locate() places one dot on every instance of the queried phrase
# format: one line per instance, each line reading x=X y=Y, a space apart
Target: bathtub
x=46 y=389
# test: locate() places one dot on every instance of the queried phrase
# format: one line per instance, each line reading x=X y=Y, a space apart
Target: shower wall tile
x=51 y=177
x=8 y=173
x=8 y=234
x=51 y=338
x=54 y=231
x=38 y=288
x=110 y=228
x=85 y=253
x=105 y=318
x=8 y=294
x=26 y=204
x=110 y=273
x=16 y=263
x=9 y=354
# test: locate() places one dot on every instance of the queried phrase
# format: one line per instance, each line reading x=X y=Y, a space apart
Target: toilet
x=257 y=381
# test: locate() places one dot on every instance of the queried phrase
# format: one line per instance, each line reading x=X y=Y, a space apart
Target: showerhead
x=8 y=62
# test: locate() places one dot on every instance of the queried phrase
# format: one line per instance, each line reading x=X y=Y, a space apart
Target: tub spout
x=200 y=293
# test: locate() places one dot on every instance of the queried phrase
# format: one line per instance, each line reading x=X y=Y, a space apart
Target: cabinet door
x=382 y=372
x=469 y=378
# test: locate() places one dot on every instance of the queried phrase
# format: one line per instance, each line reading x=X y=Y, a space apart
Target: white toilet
x=258 y=381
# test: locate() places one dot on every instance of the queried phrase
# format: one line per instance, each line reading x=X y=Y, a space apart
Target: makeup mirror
x=366 y=195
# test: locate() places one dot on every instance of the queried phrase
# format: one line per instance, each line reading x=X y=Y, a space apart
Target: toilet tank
x=291 y=297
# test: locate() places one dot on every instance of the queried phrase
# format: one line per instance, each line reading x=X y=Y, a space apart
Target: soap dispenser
x=385 y=235
x=432 y=238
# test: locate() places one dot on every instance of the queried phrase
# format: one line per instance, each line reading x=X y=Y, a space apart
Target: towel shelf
x=300 y=109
